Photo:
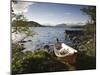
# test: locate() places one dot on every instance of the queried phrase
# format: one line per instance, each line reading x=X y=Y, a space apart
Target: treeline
x=22 y=23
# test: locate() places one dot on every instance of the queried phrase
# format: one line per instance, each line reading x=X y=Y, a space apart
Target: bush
x=85 y=62
x=36 y=62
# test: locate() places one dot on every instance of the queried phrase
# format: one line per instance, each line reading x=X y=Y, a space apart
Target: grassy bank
x=41 y=61
x=36 y=62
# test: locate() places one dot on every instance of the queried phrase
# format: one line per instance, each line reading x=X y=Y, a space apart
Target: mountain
x=61 y=25
x=79 y=25
x=33 y=24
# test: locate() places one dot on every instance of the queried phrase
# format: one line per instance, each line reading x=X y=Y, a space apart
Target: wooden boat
x=64 y=50
x=66 y=53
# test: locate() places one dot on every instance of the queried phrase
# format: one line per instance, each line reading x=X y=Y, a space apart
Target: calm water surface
x=43 y=36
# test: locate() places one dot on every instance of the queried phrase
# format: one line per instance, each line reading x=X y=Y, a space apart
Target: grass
x=39 y=62
x=85 y=62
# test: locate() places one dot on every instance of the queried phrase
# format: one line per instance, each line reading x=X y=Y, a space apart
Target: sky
x=51 y=13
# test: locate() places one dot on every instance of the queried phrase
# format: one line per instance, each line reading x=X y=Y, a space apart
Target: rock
x=47 y=48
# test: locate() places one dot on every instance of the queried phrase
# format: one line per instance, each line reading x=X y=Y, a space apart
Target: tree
x=19 y=25
x=91 y=12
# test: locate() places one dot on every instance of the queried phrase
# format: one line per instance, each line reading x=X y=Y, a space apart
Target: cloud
x=67 y=13
x=21 y=7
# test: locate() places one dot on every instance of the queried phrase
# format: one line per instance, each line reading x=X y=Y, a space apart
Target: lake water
x=44 y=36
